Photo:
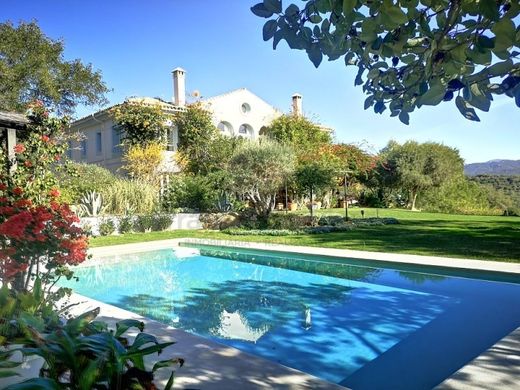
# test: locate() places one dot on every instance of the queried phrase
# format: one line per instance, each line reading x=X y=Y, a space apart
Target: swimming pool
x=356 y=325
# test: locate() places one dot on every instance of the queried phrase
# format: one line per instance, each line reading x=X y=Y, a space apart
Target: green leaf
x=148 y=350
x=123 y=325
x=396 y=15
x=379 y=107
x=8 y=374
x=434 y=95
x=315 y=54
x=505 y=33
x=274 y=6
x=485 y=42
x=478 y=98
x=315 y=18
x=348 y=6
x=260 y=10
x=489 y=8
x=168 y=363
x=500 y=68
x=350 y=58
x=404 y=117
x=368 y=102
x=142 y=339
x=373 y=73
x=169 y=384
x=467 y=112
x=517 y=97
x=269 y=29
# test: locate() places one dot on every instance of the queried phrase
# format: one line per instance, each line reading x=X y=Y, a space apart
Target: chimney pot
x=297 y=104
x=179 y=87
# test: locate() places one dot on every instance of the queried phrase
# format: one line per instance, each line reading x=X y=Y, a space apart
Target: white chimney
x=179 y=87
x=297 y=104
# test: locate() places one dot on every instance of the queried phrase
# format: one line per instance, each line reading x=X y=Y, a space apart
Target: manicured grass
x=467 y=236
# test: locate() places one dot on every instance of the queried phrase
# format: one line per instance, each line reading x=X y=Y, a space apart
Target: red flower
x=19 y=148
x=57 y=157
x=17 y=191
x=54 y=193
x=23 y=203
x=45 y=138
x=27 y=163
x=3 y=187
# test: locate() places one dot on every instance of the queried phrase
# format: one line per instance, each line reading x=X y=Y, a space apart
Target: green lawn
x=476 y=237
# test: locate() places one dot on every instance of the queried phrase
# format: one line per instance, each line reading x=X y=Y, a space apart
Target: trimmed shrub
x=143 y=223
x=126 y=224
x=161 y=222
x=191 y=193
x=107 y=227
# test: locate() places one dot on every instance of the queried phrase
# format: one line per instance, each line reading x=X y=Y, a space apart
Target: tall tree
x=415 y=168
x=32 y=67
x=299 y=132
x=313 y=176
x=409 y=53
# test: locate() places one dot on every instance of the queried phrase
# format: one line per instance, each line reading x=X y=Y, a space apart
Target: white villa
x=238 y=112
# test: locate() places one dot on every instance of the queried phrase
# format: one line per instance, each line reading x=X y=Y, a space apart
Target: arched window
x=245 y=131
x=225 y=128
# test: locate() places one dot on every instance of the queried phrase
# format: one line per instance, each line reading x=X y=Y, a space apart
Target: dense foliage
x=196 y=136
x=81 y=178
x=414 y=168
x=298 y=132
x=38 y=235
x=509 y=185
x=409 y=53
x=141 y=123
x=144 y=162
x=32 y=67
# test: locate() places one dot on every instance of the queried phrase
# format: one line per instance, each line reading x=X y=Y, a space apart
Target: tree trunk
x=413 y=196
x=312 y=208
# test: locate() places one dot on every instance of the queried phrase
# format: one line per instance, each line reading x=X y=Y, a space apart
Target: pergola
x=11 y=122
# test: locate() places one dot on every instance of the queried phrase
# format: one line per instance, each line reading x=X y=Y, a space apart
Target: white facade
x=237 y=113
x=241 y=113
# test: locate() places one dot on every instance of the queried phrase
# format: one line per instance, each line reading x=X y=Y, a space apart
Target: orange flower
x=17 y=191
x=19 y=148
x=54 y=193
x=45 y=138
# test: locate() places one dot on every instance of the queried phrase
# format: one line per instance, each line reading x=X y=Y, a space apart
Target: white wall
x=228 y=109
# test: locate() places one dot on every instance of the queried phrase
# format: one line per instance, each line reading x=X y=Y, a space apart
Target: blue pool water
x=359 y=326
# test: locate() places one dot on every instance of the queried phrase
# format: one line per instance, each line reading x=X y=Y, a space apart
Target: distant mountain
x=493 y=167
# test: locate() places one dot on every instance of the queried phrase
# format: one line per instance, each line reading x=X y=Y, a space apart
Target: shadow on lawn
x=494 y=241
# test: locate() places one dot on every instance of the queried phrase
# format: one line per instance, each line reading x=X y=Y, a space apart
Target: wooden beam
x=11 y=155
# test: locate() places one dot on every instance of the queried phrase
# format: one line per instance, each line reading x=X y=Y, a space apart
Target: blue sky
x=137 y=43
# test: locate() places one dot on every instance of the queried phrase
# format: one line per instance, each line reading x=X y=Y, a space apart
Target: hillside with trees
x=493 y=167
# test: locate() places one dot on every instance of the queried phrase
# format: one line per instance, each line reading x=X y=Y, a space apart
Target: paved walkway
x=497 y=368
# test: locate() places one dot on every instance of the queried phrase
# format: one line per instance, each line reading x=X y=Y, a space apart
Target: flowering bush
x=38 y=234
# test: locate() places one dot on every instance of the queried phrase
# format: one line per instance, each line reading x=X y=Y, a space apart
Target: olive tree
x=415 y=168
x=258 y=171
x=409 y=53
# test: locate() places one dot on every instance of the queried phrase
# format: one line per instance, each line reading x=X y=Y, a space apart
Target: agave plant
x=85 y=354
x=92 y=204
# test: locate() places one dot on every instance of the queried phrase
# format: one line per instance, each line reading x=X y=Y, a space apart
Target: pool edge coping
x=395 y=258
